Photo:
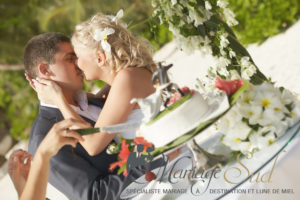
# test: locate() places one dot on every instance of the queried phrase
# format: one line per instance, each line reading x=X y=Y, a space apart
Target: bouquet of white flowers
x=259 y=117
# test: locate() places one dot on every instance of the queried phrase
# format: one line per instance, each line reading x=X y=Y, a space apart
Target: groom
x=72 y=171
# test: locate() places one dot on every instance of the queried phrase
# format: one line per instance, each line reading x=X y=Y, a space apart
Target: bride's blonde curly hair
x=126 y=49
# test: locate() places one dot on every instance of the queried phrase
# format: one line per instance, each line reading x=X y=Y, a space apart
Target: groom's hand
x=18 y=169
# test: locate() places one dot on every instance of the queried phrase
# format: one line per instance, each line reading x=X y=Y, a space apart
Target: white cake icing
x=177 y=122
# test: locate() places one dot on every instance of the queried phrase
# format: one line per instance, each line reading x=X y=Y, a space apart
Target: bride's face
x=87 y=62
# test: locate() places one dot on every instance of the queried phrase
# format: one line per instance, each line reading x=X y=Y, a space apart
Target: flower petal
x=105 y=46
x=118 y=16
x=109 y=31
x=98 y=35
x=113 y=165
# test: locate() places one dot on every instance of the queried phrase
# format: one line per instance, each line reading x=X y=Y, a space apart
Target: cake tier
x=176 y=122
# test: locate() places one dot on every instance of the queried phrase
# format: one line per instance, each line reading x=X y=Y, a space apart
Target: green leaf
x=122 y=169
x=201 y=30
x=237 y=94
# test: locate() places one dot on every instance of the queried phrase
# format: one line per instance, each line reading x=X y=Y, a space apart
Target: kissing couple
x=104 y=49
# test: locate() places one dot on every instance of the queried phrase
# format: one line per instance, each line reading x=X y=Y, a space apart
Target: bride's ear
x=101 y=58
x=44 y=70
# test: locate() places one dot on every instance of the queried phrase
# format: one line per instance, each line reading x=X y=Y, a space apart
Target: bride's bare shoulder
x=134 y=74
x=138 y=79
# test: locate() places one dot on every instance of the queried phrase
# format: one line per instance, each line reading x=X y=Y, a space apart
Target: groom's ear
x=101 y=58
x=44 y=70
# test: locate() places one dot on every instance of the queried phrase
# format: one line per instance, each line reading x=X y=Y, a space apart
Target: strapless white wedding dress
x=136 y=116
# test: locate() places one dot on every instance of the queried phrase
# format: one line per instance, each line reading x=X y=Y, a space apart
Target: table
x=271 y=173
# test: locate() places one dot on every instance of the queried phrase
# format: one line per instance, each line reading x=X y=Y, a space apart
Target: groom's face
x=64 y=70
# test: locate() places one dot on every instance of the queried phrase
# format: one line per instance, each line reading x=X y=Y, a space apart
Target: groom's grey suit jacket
x=72 y=171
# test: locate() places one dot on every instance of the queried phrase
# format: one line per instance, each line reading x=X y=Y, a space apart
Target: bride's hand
x=48 y=91
x=61 y=134
x=29 y=79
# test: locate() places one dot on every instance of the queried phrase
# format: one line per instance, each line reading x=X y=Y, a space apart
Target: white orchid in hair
x=102 y=36
x=118 y=16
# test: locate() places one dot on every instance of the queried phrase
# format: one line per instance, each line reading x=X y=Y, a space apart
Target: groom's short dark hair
x=42 y=48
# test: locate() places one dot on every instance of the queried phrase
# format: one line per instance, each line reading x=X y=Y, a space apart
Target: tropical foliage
x=260 y=19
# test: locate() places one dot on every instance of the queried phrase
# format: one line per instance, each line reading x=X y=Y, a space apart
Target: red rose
x=230 y=87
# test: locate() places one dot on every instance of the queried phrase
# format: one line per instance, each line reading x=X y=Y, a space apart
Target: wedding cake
x=184 y=114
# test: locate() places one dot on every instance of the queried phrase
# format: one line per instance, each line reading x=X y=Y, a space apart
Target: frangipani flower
x=269 y=100
x=247 y=97
x=288 y=97
x=268 y=87
x=251 y=112
x=236 y=136
x=281 y=128
x=228 y=123
x=268 y=118
x=263 y=138
x=294 y=114
x=272 y=113
x=103 y=37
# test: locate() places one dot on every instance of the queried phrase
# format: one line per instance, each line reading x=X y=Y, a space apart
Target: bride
x=107 y=51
